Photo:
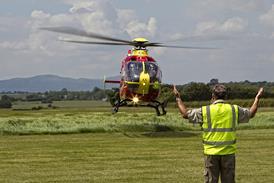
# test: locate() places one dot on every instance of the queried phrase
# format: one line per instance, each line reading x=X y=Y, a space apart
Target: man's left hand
x=175 y=91
x=260 y=93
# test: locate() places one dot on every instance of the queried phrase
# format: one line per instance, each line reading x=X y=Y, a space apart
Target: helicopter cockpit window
x=154 y=72
x=133 y=71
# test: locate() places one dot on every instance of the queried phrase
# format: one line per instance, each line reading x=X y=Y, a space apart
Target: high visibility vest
x=219 y=128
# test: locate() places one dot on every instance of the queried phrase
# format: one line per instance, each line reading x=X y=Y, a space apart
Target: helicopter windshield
x=154 y=72
x=151 y=69
x=133 y=71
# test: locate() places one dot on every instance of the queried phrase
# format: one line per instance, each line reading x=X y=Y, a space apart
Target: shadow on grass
x=171 y=134
x=164 y=134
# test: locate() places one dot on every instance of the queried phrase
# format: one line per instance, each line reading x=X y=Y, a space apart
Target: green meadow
x=127 y=157
x=82 y=141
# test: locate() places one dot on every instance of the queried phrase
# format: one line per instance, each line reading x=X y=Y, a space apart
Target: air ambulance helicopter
x=140 y=75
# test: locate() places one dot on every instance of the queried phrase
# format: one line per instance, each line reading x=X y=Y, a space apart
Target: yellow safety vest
x=219 y=128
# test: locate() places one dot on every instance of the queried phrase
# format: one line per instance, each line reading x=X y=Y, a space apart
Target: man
x=218 y=122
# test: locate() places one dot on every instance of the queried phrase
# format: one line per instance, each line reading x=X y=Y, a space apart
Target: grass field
x=136 y=146
x=131 y=157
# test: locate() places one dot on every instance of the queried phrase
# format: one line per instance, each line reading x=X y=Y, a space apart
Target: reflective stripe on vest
x=218 y=143
x=219 y=126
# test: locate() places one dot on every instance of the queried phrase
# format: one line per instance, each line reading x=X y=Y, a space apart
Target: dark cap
x=219 y=91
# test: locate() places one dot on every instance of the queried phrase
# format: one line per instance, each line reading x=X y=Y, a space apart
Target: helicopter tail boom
x=112 y=81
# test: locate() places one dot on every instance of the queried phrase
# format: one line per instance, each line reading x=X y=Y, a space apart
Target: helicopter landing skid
x=154 y=104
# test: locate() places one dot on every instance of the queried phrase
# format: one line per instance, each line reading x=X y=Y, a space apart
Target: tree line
x=193 y=91
x=235 y=90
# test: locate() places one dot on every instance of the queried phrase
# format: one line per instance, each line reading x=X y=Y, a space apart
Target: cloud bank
x=243 y=29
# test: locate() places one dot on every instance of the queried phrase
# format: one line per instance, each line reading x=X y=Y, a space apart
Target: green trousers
x=222 y=166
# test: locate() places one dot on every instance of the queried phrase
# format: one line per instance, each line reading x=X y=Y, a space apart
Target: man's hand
x=254 y=107
x=175 y=91
x=260 y=93
x=181 y=105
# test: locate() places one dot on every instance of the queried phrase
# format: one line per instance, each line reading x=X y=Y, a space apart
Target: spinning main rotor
x=106 y=40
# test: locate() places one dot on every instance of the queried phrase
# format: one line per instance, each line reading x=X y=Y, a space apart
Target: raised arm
x=254 y=107
x=181 y=105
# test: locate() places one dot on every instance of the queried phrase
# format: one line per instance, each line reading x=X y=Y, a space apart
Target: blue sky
x=243 y=29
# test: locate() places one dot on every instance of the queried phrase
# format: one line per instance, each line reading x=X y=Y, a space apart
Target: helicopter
x=140 y=75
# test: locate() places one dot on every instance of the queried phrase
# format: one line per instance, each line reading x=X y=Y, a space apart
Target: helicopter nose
x=144 y=83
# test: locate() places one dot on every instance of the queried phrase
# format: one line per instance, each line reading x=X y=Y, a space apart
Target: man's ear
x=213 y=97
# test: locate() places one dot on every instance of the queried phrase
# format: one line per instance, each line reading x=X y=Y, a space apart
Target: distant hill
x=42 y=83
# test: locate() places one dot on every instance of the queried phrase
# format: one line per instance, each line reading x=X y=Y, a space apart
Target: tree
x=196 y=92
x=5 y=102
x=34 y=97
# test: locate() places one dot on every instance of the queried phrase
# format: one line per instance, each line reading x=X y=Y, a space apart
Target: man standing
x=218 y=122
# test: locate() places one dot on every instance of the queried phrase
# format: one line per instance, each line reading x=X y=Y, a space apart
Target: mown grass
x=131 y=157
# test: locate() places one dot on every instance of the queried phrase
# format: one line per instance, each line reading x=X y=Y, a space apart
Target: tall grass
x=79 y=121
x=263 y=120
x=91 y=122
x=269 y=102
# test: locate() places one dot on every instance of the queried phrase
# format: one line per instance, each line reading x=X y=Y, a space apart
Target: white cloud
x=37 y=46
x=10 y=25
x=268 y=18
x=230 y=26
x=12 y=45
x=129 y=22
x=36 y=40
x=152 y=26
x=235 y=5
x=94 y=16
x=82 y=7
x=197 y=20
x=38 y=14
x=235 y=24
x=125 y=16
x=63 y=19
x=97 y=22
x=136 y=28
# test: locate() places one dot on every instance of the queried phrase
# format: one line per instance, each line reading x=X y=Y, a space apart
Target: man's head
x=219 y=92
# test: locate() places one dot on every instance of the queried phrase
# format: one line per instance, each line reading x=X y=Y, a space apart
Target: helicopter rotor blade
x=183 y=47
x=112 y=41
x=77 y=32
x=96 y=43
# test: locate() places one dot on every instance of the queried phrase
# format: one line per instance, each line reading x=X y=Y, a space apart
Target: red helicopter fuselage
x=140 y=77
